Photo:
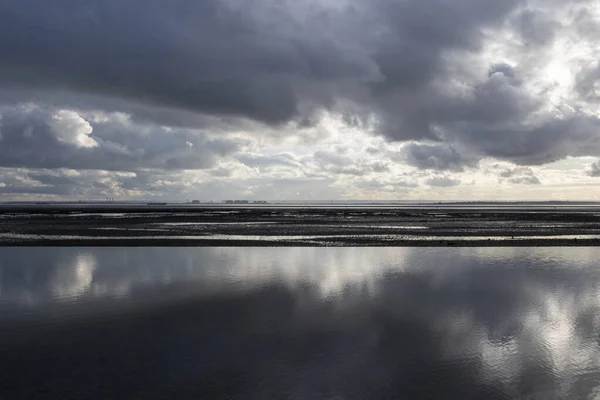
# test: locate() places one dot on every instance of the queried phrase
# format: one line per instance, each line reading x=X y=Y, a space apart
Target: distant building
x=259 y=202
x=237 y=202
x=195 y=201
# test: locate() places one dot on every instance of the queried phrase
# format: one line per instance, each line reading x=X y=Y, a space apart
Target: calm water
x=300 y=323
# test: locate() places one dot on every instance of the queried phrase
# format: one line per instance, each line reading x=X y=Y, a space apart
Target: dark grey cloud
x=415 y=35
x=552 y=140
x=594 y=169
x=410 y=56
x=588 y=83
x=212 y=56
x=435 y=157
x=511 y=172
x=537 y=28
x=525 y=180
x=259 y=59
x=379 y=166
x=503 y=69
x=520 y=175
x=586 y=23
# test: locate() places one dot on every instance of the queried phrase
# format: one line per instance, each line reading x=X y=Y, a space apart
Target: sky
x=300 y=99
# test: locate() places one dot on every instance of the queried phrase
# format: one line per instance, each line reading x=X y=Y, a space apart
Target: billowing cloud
x=268 y=61
x=38 y=137
x=249 y=89
x=69 y=127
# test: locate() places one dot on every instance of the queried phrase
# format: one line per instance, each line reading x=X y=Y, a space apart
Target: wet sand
x=299 y=226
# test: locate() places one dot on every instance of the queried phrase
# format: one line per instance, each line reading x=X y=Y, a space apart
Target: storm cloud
x=249 y=59
x=267 y=60
x=136 y=86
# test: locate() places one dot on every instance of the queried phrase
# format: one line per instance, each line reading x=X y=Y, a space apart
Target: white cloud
x=71 y=128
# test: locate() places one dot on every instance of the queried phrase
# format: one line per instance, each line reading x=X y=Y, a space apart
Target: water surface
x=300 y=323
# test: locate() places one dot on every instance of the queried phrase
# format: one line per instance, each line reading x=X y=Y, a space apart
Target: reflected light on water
x=415 y=322
x=68 y=273
x=74 y=278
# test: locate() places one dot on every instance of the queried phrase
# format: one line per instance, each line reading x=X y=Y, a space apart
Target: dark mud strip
x=280 y=226
x=297 y=243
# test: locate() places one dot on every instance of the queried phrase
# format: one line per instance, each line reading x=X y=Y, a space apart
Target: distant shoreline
x=251 y=204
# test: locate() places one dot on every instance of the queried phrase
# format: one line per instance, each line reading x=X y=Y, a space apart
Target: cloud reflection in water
x=307 y=322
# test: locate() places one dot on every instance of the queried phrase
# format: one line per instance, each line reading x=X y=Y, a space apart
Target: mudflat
x=431 y=225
